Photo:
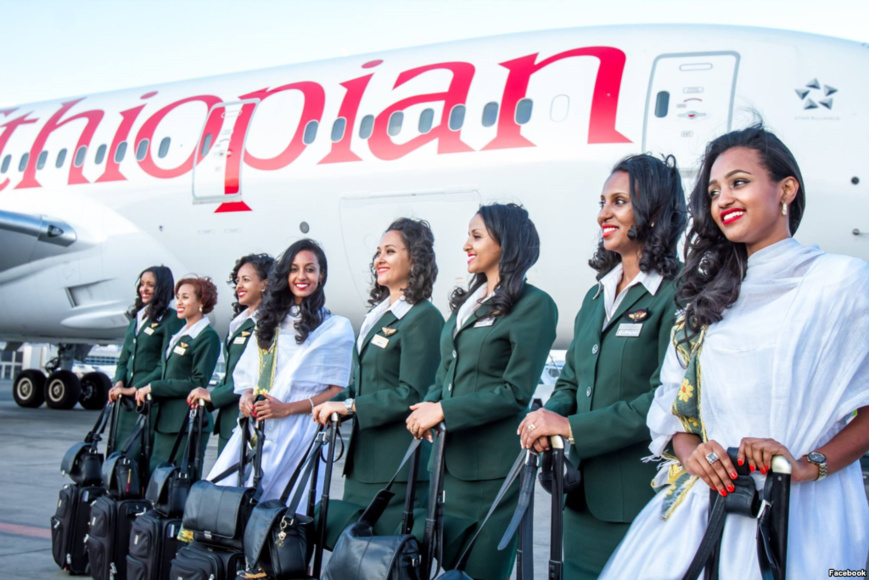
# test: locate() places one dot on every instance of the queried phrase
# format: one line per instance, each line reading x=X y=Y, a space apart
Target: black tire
x=94 y=391
x=29 y=388
x=62 y=390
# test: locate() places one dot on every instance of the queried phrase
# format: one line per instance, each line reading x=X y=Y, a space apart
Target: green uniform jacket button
x=454 y=354
x=594 y=349
x=588 y=392
x=450 y=387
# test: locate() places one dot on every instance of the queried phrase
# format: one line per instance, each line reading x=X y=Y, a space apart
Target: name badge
x=180 y=350
x=149 y=331
x=240 y=340
x=629 y=329
x=489 y=321
x=380 y=341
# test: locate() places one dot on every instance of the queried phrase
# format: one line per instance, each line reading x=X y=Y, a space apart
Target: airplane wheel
x=62 y=390
x=29 y=388
x=94 y=391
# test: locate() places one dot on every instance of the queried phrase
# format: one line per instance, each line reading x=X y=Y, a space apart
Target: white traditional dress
x=789 y=361
x=302 y=371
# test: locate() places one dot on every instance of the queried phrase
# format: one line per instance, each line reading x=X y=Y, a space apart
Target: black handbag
x=217 y=514
x=83 y=462
x=121 y=473
x=278 y=540
x=571 y=477
x=361 y=555
x=170 y=484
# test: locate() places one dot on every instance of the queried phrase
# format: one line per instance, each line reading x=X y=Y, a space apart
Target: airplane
x=194 y=174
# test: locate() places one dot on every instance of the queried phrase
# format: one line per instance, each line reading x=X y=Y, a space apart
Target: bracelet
x=312 y=404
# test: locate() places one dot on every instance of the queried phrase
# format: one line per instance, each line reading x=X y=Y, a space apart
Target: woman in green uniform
x=493 y=349
x=612 y=368
x=189 y=361
x=152 y=324
x=395 y=361
x=249 y=279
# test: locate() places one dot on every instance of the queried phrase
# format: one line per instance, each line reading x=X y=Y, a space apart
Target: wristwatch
x=820 y=460
x=348 y=404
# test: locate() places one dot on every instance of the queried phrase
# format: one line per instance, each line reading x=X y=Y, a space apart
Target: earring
x=653 y=224
x=200 y=309
x=784 y=208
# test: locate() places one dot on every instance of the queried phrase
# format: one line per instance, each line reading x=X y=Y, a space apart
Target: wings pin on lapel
x=387 y=331
x=638 y=315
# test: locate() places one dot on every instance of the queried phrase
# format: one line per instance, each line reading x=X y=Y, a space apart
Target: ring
x=531 y=427
x=711 y=457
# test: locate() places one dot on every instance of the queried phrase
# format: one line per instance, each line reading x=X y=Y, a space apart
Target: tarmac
x=32 y=443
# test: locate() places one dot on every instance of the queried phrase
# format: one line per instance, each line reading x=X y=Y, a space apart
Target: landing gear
x=94 y=391
x=29 y=388
x=62 y=390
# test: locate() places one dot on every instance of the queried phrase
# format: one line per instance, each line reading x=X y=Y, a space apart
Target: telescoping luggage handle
x=432 y=541
x=770 y=508
x=556 y=530
x=324 y=498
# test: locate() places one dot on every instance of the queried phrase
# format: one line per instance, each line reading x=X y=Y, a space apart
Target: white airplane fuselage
x=220 y=167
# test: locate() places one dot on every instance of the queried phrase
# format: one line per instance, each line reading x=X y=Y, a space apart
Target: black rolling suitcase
x=154 y=535
x=112 y=515
x=69 y=525
x=217 y=516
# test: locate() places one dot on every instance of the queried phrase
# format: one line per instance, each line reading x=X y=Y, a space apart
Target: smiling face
x=147 y=285
x=249 y=286
x=745 y=202
x=616 y=215
x=392 y=262
x=305 y=275
x=484 y=253
x=187 y=303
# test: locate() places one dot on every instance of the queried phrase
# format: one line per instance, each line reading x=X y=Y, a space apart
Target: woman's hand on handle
x=709 y=461
x=142 y=395
x=270 y=408
x=245 y=403
x=198 y=394
x=537 y=426
x=323 y=412
x=423 y=419
x=119 y=389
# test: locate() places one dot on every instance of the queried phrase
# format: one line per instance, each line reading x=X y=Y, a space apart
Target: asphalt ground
x=32 y=443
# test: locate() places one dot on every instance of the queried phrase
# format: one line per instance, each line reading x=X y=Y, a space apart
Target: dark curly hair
x=419 y=240
x=163 y=293
x=278 y=298
x=714 y=266
x=514 y=231
x=204 y=288
x=262 y=263
x=657 y=198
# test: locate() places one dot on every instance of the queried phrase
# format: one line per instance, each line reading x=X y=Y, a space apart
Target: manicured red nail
x=763 y=470
x=751 y=467
x=730 y=488
x=722 y=492
x=733 y=476
x=741 y=461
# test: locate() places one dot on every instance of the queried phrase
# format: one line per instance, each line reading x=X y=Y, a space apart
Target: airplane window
x=395 y=121
x=101 y=154
x=40 y=161
x=490 y=114
x=121 y=151
x=6 y=161
x=78 y=160
x=163 y=151
x=310 y=132
x=23 y=163
x=142 y=149
x=61 y=157
x=662 y=104
x=559 y=108
x=206 y=145
x=457 y=117
x=338 y=128
x=523 y=111
x=366 y=126
x=426 y=118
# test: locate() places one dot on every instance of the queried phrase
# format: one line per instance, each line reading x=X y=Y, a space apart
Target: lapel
x=145 y=324
x=482 y=312
x=635 y=293
x=186 y=339
x=246 y=325
x=385 y=320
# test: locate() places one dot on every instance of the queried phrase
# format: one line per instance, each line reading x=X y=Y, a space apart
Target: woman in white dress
x=302 y=359
x=782 y=335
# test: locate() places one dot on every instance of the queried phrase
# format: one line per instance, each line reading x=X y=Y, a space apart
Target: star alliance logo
x=805 y=94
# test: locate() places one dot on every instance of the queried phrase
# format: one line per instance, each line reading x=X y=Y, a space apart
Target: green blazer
x=386 y=382
x=605 y=390
x=181 y=374
x=222 y=396
x=140 y=359
x=487 y=375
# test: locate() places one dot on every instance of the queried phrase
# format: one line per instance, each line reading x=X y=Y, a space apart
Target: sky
x=60 y=48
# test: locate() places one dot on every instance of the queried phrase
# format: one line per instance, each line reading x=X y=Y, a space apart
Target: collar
x=470 y=305
x=194 y=330
x=241 y=318
x=399 y=309
x=650 y=280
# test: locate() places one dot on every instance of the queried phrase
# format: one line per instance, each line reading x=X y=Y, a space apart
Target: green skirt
x=357 y=496
x=466 y=504
x=588 y=543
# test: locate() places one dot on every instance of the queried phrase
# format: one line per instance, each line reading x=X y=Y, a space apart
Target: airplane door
x=690 y=102
x=364 y=218
x=218 y=171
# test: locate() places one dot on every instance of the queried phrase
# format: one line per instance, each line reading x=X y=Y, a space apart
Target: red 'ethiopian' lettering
x=128 y=117
x=381 y=144
x=341 y=152
x=604 y=100
x=76 y=174
x=9 y=128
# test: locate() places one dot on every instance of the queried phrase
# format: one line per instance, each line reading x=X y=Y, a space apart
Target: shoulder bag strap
x=94 y=434
x=714 y=530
